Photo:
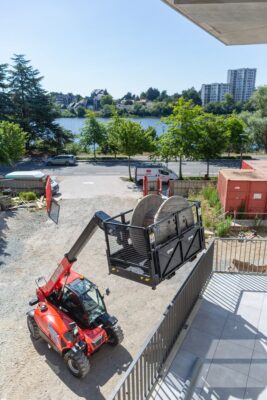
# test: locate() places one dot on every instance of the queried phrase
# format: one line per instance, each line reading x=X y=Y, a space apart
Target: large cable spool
x=167 y=227
x=143 y=216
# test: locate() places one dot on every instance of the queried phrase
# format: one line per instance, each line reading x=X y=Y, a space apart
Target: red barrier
x=145 y=189
x=48 y=194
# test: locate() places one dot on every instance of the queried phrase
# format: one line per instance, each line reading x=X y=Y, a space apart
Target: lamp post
x=242 y=137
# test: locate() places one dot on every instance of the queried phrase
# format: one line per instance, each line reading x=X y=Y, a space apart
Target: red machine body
x=70 y=313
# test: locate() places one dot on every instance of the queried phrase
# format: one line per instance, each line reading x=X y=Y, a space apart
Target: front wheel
x=33 y=328
x=77 y=363
x=115 y=335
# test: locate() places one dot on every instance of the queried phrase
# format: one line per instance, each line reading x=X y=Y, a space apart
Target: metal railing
x=146 y=367
x=240 y=255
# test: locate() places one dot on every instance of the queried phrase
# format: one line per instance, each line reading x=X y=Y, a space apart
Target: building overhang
x=233 y=22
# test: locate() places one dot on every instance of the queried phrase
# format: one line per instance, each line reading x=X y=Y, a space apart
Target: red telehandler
x=71 y=314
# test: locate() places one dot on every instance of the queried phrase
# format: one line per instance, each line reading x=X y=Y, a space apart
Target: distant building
x=242 y=83
x=214 y=92
x=96 y=96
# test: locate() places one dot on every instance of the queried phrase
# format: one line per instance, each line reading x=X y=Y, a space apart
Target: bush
x=223 y=227
x=72 y=148
x=27 y=196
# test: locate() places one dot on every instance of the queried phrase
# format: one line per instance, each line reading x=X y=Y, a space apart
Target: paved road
x=117 y=168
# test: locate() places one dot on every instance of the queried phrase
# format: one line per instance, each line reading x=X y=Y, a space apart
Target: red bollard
x=145 y=186
x=159 y=185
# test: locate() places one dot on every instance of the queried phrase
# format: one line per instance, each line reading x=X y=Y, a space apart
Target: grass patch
x=211 y=210
x=27 y=196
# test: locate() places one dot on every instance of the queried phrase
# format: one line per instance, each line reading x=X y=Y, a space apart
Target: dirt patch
x=31 y=246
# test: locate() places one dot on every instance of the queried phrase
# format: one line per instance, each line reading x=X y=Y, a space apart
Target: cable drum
x=143 y=216
x=166 y=227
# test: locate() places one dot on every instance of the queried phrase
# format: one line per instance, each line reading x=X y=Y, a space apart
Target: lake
x=76 y=124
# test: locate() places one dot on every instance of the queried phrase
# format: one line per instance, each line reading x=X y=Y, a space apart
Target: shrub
x=27 y=196
x=223 y=227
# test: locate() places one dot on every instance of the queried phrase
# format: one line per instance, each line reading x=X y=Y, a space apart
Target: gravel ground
x=30 y=246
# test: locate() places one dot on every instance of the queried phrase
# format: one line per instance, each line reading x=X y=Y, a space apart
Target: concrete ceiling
x=230 y=21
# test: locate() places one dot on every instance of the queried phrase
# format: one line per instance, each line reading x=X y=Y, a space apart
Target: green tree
x=192 y=94
x=93 y=133
x=32 y=107
x=80 y=112
x=236 y=129
x=212 y=137
x=152 y=94
x=12 y=142
x=5 y=103
x=182 y=129
x=106 y=100
x=165 y=148
x=129 y=138
x=257 y=121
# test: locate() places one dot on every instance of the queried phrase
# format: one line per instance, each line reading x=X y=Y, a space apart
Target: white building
x=214 y=92
x=242 y=83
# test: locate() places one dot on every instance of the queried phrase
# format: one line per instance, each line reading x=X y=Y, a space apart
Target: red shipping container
x=248 y=187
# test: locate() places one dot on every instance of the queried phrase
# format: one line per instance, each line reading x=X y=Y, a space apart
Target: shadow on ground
x=107 y=362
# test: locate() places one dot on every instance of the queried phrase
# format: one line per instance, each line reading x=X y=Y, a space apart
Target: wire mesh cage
x=151 y=254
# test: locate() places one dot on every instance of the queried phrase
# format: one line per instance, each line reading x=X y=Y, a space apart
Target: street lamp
x=242 y=137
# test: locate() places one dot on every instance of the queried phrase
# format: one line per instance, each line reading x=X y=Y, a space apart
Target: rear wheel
x=33 y=328
x=77 y=363
x=115 y=335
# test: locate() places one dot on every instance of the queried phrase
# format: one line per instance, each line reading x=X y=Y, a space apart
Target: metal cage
x=141 y=254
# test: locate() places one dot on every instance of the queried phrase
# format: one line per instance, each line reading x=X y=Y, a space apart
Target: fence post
x=145 y=186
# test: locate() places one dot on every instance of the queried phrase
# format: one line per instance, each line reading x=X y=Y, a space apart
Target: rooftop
x=224 y=352
x=243 y=174
x=230 y=21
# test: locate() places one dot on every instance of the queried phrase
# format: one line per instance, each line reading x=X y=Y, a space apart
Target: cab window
x=163 y=172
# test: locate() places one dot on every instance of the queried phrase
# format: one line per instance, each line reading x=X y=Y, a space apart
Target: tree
x=80 y=112
x=212 y=137
x=12 y=142
x=165 y=147
x=257 y=121
x=5 y=103
x=259 y=100
x=93 y=133
x=106 y=100
x=152 y=94
x=129 y=138
x=182 y=129
x=32 y=107
x=235 y=127
x=192 y=94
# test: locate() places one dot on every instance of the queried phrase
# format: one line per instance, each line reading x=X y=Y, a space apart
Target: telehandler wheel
x=115 y=335
x=77 y=363
x=33 y=328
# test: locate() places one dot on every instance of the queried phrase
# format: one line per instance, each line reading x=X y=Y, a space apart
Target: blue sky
x=119 y=45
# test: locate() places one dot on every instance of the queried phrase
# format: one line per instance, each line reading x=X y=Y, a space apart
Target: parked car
x=61 y=159
x=154 y=171
x=33 y=181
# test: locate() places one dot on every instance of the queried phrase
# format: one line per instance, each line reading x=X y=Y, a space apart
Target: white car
x=62 y=159
x=154 y=171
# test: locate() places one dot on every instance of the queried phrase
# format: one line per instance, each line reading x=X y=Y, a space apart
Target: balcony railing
x=222 y=255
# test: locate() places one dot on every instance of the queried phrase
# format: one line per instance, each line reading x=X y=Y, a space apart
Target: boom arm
x=69 y=259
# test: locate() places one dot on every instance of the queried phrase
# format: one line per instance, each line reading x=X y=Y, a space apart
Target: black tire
x=77 y=363
x=67 y=164
x=115 y=335
x=33 y=328
x=49 y=164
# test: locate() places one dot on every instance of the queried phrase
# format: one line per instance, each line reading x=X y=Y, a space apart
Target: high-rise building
x=242 y=83
x=214 y=92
